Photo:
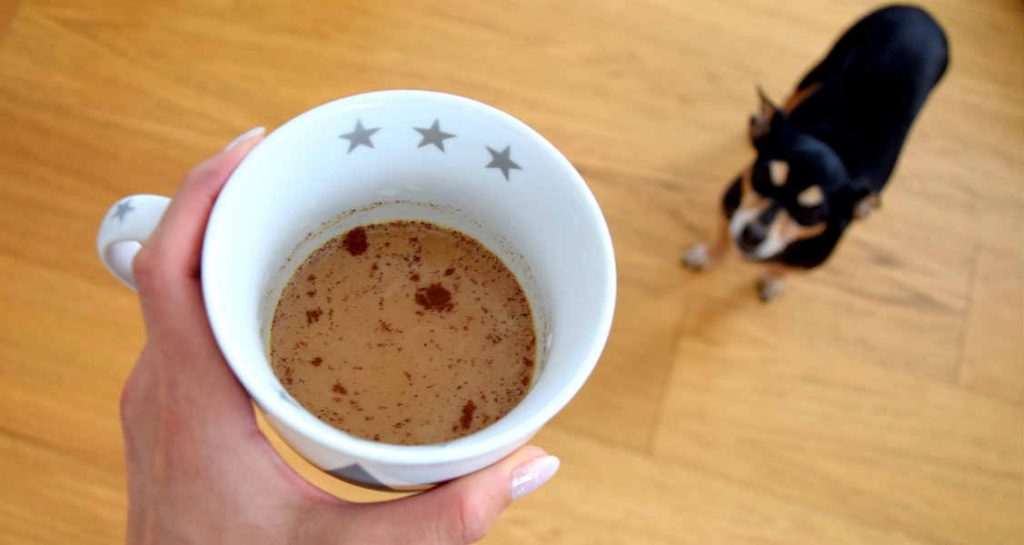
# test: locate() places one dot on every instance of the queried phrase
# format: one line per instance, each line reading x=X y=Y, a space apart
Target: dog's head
x=791 y=192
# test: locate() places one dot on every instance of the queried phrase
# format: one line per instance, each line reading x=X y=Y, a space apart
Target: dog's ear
x=767 y=119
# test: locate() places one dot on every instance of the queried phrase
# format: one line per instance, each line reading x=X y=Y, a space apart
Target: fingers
x=459 y=512
x=167 y=267
x=181 y=347
x=169 y=261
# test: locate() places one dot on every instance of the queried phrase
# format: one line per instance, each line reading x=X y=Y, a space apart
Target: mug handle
x=125 y=228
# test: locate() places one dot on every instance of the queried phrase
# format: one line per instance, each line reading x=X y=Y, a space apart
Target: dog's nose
x=753 y=235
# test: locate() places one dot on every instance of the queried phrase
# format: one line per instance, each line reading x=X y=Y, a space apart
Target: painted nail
x=528 y=477
x=247 y=135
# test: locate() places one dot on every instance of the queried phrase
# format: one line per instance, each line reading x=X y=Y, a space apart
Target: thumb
x=456 y=513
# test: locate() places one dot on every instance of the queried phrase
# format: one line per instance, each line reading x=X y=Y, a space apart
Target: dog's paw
x=697 y=258
x=769 y=287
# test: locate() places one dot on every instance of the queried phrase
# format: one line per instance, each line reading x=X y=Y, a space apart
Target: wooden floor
x=880 y=401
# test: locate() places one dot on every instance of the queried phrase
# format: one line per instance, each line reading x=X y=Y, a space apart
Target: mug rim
x=302 y=422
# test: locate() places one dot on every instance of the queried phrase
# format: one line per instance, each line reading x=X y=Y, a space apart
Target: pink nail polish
x=528 y=477
x=247 y=135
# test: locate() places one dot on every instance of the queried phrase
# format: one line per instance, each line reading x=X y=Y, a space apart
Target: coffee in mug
x=404 y=332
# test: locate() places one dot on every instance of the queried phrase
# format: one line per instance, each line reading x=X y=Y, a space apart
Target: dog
x=825 y=156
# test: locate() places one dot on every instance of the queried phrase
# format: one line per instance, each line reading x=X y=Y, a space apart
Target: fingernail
x=528 y=477
x=247 y=135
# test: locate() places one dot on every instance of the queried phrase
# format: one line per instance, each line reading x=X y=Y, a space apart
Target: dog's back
x=863 y=97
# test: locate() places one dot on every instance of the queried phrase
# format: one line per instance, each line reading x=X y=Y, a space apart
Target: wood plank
x=993 y=340
x=880 y=400
x=608 y=495
x=886 y=448
x=7 y=10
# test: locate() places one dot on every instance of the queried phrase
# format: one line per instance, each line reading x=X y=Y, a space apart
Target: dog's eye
x=811 y=197
x=760 y=179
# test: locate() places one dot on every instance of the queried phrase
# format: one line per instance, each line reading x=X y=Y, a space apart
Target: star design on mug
x=123 y=209
x=502 y=160
x=360 y=136
x=434 y=135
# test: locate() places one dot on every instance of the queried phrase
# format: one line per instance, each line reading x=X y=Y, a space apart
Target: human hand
x=200 y=470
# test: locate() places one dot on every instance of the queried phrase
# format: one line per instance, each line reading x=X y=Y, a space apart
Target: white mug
x=398 y=155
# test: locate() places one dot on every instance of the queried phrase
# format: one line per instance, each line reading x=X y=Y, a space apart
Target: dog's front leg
x=771 y=284
x=703 y=256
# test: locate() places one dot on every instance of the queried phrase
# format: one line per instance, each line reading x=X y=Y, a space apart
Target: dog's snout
x=753 y=235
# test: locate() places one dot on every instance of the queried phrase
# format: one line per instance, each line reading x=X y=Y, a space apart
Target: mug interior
x=495 y=179
x=445 y=216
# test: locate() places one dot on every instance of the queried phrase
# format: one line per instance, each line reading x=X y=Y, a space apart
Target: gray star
x=434 y=135
x=502 y=160
x=359 y=136
x=123 y=208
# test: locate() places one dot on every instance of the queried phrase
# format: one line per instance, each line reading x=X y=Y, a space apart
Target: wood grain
x=880 y=400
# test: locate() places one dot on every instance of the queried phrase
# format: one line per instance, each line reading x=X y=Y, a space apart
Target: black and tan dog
x=824 y=157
